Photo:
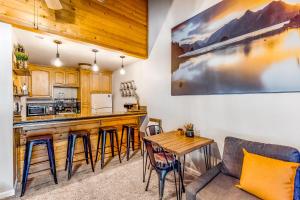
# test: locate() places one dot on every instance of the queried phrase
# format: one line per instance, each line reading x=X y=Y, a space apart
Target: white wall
x=6 y=112
x=273 y=118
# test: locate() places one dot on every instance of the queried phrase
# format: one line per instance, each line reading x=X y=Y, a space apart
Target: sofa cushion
x=222 y=187
x=268 y=178
x=233 y=154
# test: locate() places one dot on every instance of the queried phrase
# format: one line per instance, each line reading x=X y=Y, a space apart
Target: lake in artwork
x=238 y=47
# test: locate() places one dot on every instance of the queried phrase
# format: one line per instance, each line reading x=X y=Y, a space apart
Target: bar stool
x=30 y=143
x=130 y=129
x=113 y=133
x=73 y=135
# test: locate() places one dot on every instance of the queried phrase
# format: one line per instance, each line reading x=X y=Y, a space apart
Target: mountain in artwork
x=274 y=13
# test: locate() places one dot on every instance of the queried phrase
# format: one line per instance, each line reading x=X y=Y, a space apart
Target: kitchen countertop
x=20 y=122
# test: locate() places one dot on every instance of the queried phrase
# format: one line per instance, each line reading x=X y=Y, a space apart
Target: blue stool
x=113 y=133
x=30 y=143
x=73 y=135
x=130 y=129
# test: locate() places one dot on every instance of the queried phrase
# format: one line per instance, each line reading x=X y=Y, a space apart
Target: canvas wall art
x=238 y=47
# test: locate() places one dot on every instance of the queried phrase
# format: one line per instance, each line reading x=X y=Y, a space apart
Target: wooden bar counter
x=59 y=126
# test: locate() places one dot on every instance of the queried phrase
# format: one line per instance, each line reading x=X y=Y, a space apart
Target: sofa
x=219 y=182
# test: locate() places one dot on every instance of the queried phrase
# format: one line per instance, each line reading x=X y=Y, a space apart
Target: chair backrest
x=153 y=130
x=150 y=152
x=155 y=120
x=233 y=154
x=157 y=160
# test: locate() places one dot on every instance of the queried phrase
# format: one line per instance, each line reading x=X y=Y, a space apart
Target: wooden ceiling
x=120 y=25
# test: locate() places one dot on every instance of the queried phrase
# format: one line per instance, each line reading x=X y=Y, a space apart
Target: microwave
x=39 y=109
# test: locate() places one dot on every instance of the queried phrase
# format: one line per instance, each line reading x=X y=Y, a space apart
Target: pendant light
x=122 y=70
x=57 y=62
x=95 y=67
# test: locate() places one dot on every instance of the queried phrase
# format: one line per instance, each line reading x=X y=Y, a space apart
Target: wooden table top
x=178 y=144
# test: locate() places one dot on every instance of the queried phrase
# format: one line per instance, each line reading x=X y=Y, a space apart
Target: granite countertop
x=23 y=121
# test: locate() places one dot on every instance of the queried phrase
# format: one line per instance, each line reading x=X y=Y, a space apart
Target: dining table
x=176 y=143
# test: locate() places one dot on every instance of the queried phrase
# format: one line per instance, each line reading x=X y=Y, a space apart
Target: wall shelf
x=22 y=72
x=20 y=95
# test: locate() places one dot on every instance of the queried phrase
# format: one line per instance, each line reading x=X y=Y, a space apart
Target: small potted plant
x=22 y=59
x=189 y=130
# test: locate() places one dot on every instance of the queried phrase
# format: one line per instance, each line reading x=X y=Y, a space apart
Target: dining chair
x=162 y=163
x=150 y=130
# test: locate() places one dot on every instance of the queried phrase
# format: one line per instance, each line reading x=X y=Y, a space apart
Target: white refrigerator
x=101 y=103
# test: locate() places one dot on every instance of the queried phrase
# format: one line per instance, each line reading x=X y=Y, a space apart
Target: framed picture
x=238 y=47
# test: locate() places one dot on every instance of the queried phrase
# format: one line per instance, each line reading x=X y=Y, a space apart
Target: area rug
x=120 y=182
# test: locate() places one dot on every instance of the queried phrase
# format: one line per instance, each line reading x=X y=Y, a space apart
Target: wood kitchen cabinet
x=67 y=78
x=100 y=82
x=59 y=77
x=105 y=82
x=72 y=78
x=40 y=83
x=85 y=94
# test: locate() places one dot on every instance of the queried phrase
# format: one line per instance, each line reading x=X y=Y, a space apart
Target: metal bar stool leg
x=51 y=155
x=68 y=152
x=98 y=143
x=71 y=155
x=128 y=143
x=28 y=154
x=90 y=151
x=111 y=133
x=103 y=143
x=132 y=130
x=121 y=143
x=117 y=142
x=85 y=146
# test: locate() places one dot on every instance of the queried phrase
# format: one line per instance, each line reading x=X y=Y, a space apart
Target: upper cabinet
x=72 y=78
x=105 y=82
x=59 y=77
x=40 y=83
x=43 y=79
x=66 y=78
x=101 y=82
x=114 y=24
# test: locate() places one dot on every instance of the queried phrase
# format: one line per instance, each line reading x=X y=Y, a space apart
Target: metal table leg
x=179 y=178
x=207 y=156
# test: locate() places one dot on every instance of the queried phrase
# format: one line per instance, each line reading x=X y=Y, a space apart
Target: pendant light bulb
x=95 y=67
x=122 y=70
x=57 y=62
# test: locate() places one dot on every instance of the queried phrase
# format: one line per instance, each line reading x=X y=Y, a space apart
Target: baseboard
x=8 y=193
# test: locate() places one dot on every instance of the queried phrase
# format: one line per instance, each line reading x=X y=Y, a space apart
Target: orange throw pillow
x=268 y=178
